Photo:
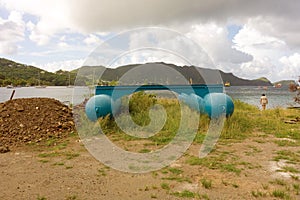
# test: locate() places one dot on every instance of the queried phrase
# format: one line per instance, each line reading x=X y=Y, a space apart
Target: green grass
x=258 y=194
x=245 y=121
x=290 y=156
x=288 y=169
x=287 y=143
x=238 y=126
x=47 y=155
x=280 y=194
x=103 y=171
x=278 y=182
x=220 y=162
x=175 y=171
x=144 y=151
x=185 y=194
x=72 y=197
x=59 y=163
x=71 y=155
x=165 y=186
x=41 y=198
x=207 y=184
x=296 y=188
x=68 y=155
x=43 y=161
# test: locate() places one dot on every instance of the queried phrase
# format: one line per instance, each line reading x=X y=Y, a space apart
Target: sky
x=251 y=39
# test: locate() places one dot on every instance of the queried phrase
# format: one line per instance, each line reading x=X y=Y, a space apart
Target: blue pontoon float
x=209 y=99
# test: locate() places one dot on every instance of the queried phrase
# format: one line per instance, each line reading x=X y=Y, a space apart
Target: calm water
x=63 y=94
x=277 y=97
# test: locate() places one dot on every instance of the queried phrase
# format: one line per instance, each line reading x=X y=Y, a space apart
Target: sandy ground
x=241 y=170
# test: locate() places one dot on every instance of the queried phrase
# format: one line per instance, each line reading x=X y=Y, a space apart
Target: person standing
x=263 y=101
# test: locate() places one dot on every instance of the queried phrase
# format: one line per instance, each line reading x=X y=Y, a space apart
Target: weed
x=225 y=183
x=102 y=171
x=165 y=186
x=280 y=194
x=144 y=151
x=258 y=194
x=296 y=178
x=215 y=162
x=288 y=169
x=73 y=197
x=265 y=186
x=59 y=163
x=153 y=196
x=41 y=198
x=284 y=143
x=278 y=182
x=154 y=174
x=231 y=168
x=175 y=171
x=185 y=193
x=43 y=161
x=207 y=184
x=288 y=155
x=296 y=188
x=146 y=188
x=204 y=196
x=51 y=142
x=70 y=155
x=46 y=155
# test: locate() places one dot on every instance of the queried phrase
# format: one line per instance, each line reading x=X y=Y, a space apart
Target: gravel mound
x=32 y=120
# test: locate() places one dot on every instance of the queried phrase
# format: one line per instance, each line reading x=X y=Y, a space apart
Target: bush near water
x=245 y=121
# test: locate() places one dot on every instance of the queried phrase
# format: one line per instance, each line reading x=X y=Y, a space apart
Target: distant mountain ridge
x=189 y=72
x=20 y=74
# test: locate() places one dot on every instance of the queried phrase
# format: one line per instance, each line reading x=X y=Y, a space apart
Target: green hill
x=189 y=72
x=285 y=82
x=12 y=73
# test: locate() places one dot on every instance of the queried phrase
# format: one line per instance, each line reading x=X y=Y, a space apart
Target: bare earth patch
x=250 y=169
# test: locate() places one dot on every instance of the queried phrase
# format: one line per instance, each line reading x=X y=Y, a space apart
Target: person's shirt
x=263 y=100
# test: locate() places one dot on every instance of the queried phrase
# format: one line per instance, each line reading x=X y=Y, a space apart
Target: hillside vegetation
x=12 y=73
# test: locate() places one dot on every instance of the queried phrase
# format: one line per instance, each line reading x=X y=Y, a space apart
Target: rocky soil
x=32 y=120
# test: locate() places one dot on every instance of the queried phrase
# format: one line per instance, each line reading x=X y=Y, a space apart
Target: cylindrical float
x=217 y=104
x=100 y=106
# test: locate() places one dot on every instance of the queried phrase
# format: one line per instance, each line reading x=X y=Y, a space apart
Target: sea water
x=278 y=97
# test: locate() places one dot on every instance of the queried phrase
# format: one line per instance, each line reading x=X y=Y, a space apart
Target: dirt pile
x=28 y=120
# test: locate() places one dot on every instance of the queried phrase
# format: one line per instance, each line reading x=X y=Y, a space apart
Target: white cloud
x=213 y=38
x=106 y=15
x=11 y=32
x=293 y=60
x=270 y=54
x=63 y=44
x=92 y=40
x=291 y=65
x=268 y=40
x=63 y=65
x=249 y=39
